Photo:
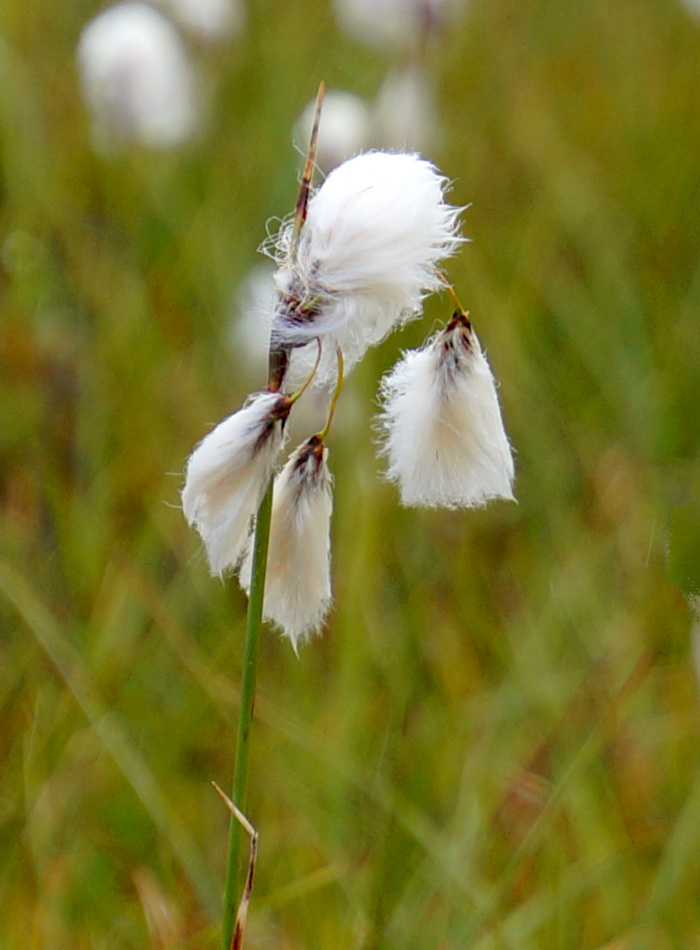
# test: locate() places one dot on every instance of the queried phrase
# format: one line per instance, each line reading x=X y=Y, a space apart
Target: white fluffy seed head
x=136 y=78
x=441 y=424
x=227 y=475
x=368 y=253
x=297 y=582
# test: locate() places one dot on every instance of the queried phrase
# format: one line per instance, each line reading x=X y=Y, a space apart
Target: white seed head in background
x=253 y=306
x=398 y=24
x=344 y=131
x=210 y=20
x=405 y=112
x=368 y=253
x=441 y=424
x=692 y=6
x=298 y=582
x=227 y=475
x=136 y=78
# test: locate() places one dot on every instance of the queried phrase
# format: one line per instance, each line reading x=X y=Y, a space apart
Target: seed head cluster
x=357 y=265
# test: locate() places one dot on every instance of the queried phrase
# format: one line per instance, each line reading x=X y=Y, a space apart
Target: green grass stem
x=245 y=720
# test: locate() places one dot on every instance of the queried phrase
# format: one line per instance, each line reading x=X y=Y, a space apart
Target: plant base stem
x=245 y=720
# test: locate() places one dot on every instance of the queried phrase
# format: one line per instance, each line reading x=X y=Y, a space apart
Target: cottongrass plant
x=356 y=261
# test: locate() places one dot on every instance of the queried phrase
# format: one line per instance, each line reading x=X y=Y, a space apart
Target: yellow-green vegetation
x=495 y=745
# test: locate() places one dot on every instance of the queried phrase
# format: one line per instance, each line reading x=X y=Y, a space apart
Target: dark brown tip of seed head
x=460 y=318
x=314 y=447
x=281 y=408
x=317 y=447
x=278 y=413
x=312 y=452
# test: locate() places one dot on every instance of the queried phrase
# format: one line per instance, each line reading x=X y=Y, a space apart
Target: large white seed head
x=298 y=582
x=442 y=428
x=227 y=475
x=136 y=77
x=374 y=235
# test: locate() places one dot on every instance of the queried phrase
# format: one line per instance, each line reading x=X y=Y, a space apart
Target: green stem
x=245 y=720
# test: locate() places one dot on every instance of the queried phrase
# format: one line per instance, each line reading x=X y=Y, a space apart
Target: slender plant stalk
x=245 y=720
x=278 y=365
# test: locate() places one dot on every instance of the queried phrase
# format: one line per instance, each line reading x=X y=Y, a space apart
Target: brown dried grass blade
x=307 y=176
x=242 y=913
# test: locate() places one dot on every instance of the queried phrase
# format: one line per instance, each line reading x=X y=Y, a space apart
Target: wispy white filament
x=227 y=475
x=136 y=77
x=297 y=582
x=443 y=433
x=374 y=235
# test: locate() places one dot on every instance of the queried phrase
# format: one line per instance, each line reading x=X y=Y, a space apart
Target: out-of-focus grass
x=495 y=745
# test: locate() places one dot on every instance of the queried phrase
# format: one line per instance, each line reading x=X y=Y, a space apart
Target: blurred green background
x=496 y=742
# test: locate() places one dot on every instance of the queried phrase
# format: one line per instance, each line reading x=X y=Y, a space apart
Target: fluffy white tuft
x=227 y=475
x=368 y=253
x=297 y=582
x=443 y=433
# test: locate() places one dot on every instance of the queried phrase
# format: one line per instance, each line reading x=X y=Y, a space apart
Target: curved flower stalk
x=443 y=433
x=227 y=475
x=366 y=257
x=298 y=581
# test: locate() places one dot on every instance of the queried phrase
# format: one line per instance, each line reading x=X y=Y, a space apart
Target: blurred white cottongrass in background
x=209 y=20
x=403 y=117
x=405 y=114
x=398 y=24
x=344 y=131
x=253 y=306
x=692 y=6
x=693 y=600
x=137 y=78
